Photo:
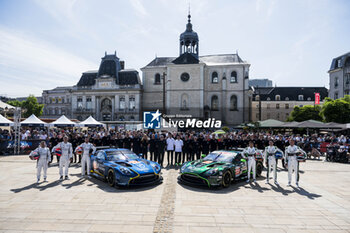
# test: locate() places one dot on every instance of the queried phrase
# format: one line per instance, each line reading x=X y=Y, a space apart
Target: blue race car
x=123 y=167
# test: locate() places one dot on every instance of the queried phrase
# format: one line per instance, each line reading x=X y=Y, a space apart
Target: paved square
x=322 y=204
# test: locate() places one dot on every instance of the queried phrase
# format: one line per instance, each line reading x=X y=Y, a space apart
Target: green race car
x=219 y=168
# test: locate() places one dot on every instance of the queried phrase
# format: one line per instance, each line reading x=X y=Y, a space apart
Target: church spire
x=189 y=39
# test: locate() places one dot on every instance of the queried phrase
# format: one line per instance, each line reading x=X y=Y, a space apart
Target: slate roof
x=186 y=58
x=128 y=77
x=208 y=59
x=291 y=92
x=87 y=79
x=340 y=62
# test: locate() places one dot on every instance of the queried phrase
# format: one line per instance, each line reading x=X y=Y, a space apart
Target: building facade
x=111 y=93
x=278 y=102
x=212 y=86
x=339 y=77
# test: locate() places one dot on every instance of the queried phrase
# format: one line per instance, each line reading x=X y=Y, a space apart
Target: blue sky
x=44 y=44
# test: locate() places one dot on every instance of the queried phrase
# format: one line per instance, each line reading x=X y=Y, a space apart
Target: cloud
x=35 y=62
x=138 y=7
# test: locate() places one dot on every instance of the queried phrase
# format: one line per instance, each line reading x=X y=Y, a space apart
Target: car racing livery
x=122 y=167
x=219 y=168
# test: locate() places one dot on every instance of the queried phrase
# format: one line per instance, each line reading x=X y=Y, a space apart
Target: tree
x=30 y=106
x=307 y=112
x=337 y=110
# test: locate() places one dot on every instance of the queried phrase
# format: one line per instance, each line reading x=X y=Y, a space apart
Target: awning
x=4 y=105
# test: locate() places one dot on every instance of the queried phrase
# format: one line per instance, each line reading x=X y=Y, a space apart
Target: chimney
x=122 y=65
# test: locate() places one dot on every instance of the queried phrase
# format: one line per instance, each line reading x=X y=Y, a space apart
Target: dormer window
x=277 y=97
x=300 y=97
x=257 y=97
x=287 y=99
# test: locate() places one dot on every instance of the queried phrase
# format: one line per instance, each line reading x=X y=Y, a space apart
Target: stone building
x=339 y=77
x=111 y=93
x=278 y=102
x=214 y=86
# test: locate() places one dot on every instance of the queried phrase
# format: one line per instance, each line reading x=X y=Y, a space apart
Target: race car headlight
x=125 y=171
x=212 y=172
x=155 y=166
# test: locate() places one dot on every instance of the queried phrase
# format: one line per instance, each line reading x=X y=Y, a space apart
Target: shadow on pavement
x=39 y=186
x=278 y=188
x=305 y=193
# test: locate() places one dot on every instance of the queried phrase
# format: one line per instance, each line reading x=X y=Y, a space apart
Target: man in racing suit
x=292 y=162
x=44 y=159
x=271 y=163
x=250 y=153
x=85 y=161
x=67 y=155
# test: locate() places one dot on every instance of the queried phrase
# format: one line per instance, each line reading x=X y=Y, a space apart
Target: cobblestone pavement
x=322 y=204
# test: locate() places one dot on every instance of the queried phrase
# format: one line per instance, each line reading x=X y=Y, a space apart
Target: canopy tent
x=4 y=105
x=90 y=122
x=5 y=122
x=334 y=125
x=33 y=121
x=270 y=123
x=312 y=124
x=292 y=124
x=63 y=121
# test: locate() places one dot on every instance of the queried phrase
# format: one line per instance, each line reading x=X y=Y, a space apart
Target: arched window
x=277 y=97
x=214 y=77
x=184 y=102
x=132 y=118
x=257 y=97
x=157 y=78
x=121 y=118
x=214 y=103
x=233 y=103
x=268 y=98
x=106 y=104
x=233 y=78
x=287 y=98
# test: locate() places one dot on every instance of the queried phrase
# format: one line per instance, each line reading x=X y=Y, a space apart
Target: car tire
x=111 y=178
x=226 y=179
x=259 y=168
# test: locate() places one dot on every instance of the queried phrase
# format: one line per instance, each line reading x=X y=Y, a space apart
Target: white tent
x=4 y=105
x=63 y=121
x=5 y=122
x=33 y=121
x=90 y=122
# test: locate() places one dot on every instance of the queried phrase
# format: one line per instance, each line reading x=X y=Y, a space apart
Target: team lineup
x=126 y=167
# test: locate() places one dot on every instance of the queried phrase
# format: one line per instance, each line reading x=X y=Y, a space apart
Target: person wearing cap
x=66 y=157
x=85 y=161
x=271 y=163
x=43 y=161
x=250 y=152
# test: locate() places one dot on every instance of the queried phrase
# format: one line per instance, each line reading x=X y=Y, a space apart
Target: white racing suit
x=250 y=153
x=293 y=164
x=270 y=159
x=67 y=154
x=85 y=161
x=44 y=159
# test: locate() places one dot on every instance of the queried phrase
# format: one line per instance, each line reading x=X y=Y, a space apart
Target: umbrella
x=220 y=131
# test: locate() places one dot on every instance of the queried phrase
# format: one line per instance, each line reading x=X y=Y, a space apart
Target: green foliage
x=307 y=112
x=30 y=106
x=15 y=103
x=337 y=110
x=226 y=129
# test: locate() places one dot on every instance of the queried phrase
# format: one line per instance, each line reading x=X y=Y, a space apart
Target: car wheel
x=226 y=179
x=111 y=177
x=259 y=168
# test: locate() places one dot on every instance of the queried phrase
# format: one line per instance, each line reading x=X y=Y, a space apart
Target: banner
x=317 y=98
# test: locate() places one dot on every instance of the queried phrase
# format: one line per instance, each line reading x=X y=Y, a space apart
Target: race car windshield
x=121 y=155
x=220 y=157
